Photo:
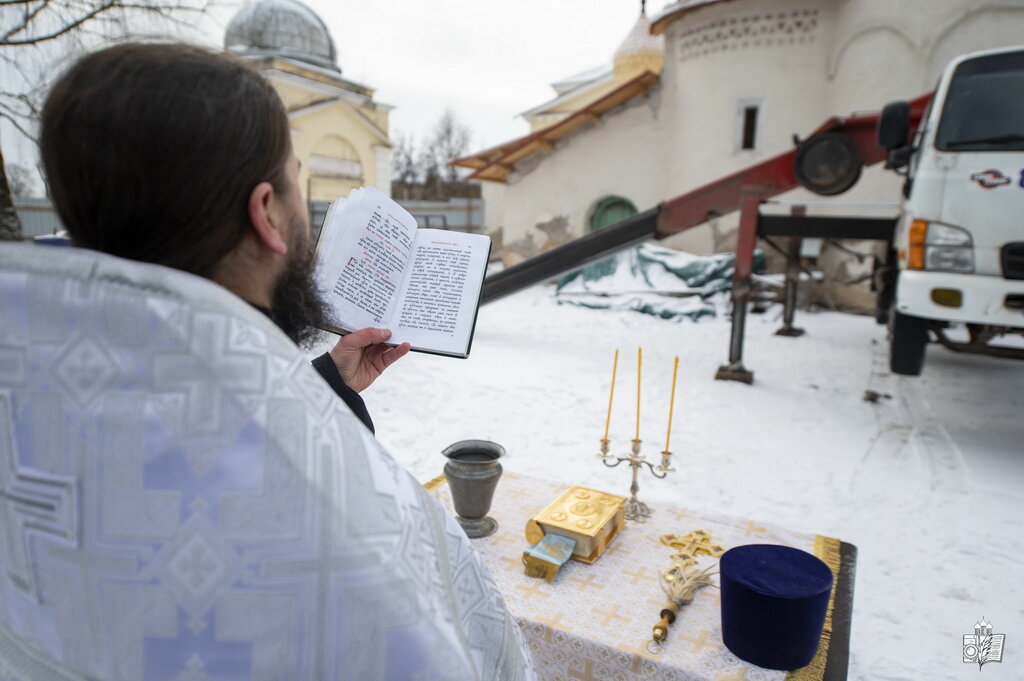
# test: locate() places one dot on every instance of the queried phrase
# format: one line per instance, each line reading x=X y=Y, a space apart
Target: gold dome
x=640 y=51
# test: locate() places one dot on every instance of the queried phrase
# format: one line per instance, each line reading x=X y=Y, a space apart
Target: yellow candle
x=611 y=395
x=671 y=403
x=639 y=363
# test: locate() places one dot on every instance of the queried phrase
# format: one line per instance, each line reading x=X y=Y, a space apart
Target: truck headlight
x=941 y=248
x=948 y=249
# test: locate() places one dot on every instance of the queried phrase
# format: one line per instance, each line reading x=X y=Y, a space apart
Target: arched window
x=610 y=210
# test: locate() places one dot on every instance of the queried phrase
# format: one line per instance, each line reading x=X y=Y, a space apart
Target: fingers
x=365 y=337
x=394 y=354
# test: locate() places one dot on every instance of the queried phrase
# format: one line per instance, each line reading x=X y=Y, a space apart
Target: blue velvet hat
x=774 y=600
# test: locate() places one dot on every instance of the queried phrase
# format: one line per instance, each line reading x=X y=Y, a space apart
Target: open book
x=375 y=268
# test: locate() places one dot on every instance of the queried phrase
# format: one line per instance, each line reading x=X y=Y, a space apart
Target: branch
x=95 y=12
x=27 y=20
x=13 y=121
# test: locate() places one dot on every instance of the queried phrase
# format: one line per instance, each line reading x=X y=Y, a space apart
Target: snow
x=928 y=484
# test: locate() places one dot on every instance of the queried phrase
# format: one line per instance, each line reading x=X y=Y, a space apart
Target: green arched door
x=610 y=210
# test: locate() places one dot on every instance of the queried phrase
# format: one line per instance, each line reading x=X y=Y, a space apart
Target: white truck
x=959 y=241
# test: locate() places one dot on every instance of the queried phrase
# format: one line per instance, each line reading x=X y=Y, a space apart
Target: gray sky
x=486 y=59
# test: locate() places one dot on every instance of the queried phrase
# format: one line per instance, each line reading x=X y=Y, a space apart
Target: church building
x=339 y=132
x=708 y=87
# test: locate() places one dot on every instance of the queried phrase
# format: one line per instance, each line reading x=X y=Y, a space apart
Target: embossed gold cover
x=590 y=517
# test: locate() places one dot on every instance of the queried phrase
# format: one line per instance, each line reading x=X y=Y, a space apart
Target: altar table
x=593 y=622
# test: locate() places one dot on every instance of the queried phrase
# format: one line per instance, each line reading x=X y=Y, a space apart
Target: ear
x=262 y=220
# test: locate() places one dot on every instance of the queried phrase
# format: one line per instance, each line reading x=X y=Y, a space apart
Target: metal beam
x=827 y=227
x=572 y=256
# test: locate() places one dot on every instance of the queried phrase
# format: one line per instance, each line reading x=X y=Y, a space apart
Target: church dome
x=281 y=28
x=640 y=51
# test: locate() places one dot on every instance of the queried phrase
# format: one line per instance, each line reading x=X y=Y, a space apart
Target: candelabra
x=636 y=509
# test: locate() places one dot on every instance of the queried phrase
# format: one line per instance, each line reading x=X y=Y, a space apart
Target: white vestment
x=183 y=497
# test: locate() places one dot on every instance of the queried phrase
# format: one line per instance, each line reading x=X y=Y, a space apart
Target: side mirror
x=894 y=125
x=899 y=157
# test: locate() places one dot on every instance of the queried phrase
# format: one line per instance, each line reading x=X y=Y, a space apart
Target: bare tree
x=21 y=180
x=405 y=168
x=36 y=34
x=425 y=172
x=450 y=141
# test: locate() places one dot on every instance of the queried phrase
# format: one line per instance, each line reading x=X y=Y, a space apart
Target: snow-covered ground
x=928 y=484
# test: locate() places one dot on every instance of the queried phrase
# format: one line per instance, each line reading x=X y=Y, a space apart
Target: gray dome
x=283 y=28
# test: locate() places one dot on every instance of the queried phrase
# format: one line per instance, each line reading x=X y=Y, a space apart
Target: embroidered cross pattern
x=32 y=502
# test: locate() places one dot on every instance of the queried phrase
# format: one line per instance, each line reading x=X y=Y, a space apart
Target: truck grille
x=1013 y=260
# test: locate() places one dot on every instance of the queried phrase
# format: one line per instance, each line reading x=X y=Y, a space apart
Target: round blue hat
x=774 y=600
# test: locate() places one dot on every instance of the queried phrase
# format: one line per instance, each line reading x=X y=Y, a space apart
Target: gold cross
x=683 y=513
x=615 y=547
x=614 y=612
x=507 y=537
x=699 y=642
x=533 y=589
x=641 y=573
x=513 y=563
x=639 y=652
x=517 y=492
x=586 y=583
x=550 y=624
x=740 y=675
x=750 y=527
x=588 y=669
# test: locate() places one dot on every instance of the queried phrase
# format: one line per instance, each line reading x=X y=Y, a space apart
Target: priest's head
x=181 y=156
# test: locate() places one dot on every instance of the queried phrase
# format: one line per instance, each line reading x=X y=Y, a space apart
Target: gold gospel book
x=374 y=267
x=590 y=517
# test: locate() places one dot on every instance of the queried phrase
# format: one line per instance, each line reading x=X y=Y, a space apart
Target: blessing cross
x=32 y=502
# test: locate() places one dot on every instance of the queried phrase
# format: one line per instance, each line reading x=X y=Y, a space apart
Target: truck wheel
x=907 y=339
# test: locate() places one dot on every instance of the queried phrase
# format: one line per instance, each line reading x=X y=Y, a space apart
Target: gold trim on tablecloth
x=558 y=620
x=827 y=549
x=435 y=483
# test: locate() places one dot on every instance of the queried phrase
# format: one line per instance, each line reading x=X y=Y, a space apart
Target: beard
x=297 y=307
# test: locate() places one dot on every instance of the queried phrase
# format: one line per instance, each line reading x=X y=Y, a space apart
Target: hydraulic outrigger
x=828 y=162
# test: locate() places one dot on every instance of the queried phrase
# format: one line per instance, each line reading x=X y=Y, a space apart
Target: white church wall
x=799 y=61
x=722 y=56
x=978 y=26
x=550 y=198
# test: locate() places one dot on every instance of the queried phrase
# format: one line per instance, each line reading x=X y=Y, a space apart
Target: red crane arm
x=772 y=176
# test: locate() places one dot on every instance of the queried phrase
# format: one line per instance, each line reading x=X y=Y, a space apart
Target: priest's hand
x=361 y=356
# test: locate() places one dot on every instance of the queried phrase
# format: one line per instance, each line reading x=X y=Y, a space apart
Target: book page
x=362 y=259
x=438 y=307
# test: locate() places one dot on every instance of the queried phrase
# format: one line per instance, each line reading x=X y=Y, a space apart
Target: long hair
x=152 y=150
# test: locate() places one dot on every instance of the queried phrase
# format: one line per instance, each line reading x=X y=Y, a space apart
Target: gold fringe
x=537 y=567
x=435 y=483
x=827 y=549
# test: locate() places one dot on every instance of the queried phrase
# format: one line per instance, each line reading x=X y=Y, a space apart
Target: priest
x=181 y=494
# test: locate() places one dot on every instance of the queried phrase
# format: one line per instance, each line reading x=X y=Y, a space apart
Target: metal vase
x=472 y=472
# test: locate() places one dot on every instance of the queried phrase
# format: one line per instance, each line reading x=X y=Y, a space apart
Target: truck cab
x=959 y=241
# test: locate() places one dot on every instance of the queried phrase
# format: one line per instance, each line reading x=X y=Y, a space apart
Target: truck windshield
x=984 y=108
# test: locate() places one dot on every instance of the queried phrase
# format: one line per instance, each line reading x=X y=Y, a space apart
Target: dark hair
x=152 y=150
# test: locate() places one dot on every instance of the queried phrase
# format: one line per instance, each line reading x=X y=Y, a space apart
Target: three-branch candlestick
x=636 y=509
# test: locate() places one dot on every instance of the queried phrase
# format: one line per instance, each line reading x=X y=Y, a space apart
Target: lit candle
x=671 y=404
x=639 y=363
x=611 y=396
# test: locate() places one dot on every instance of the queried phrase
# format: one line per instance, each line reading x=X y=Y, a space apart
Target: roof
x=496 y=163
x=673 y=12
x=582 y=78
x=285 y=28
